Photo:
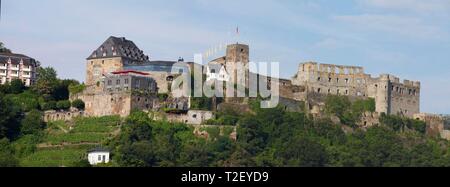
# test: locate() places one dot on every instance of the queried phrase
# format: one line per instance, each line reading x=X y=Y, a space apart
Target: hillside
x=65 y=144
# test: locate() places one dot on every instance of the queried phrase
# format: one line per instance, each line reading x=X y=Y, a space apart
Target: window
x=346 y=81
x=126 y=81
x=318 y=90
x=99 y=157
x=346 y=92
x=118 y=82
x=318 y=79
x=138 y=83
x=329 y=79
x=194 y=116
x=213 y=71
x=337 y=80
x=109 y=82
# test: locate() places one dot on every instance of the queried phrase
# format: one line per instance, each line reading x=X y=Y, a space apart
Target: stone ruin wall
x=435 y=125
x=204 y=134
x=53 y=115
x=391 y=96
x=332 y=79
x=192 y=117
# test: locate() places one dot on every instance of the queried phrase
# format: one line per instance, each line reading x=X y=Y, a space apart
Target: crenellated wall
x=391 y=96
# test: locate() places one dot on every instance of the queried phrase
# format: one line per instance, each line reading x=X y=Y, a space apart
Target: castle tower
x=112 y=56
x=237 y=53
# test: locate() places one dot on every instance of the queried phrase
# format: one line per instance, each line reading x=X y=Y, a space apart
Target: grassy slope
x=66 y=143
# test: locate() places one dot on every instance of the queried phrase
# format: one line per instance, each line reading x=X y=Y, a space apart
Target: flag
x=237 y=30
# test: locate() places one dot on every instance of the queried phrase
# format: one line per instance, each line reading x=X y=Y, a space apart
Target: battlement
x=396 y=80
x=331 y=68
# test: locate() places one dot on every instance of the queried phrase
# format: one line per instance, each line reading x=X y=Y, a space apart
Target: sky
x=406 y=38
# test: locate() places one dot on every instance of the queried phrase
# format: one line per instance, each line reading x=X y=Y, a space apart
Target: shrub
x=63 y=105
x=79 y=104
x=32 y=123
x=50 y=105
x=76 y=88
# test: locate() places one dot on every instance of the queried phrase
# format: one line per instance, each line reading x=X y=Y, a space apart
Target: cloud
x=400 y=26
x=416 y=6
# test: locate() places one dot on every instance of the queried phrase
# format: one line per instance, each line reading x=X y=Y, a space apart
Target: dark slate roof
x=122 y=48
x=15 y=58
x=98 y=149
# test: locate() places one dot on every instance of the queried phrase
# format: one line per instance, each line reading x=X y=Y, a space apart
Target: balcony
x=15 y=68
x=26 y=76
x=14 y=74
x=3 y=66
x=28 y=69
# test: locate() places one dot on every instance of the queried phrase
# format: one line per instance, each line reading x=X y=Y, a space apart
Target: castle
x=121 y=78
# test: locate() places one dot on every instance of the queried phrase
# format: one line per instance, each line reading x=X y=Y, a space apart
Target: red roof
x=128 y=72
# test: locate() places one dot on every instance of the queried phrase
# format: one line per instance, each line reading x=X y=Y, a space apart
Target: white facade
x=217 y=72
x=16 y=66
x=98 y=157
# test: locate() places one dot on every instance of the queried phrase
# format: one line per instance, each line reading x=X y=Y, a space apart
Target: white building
x=99 y=156
x=216 y=71
x=17 y=66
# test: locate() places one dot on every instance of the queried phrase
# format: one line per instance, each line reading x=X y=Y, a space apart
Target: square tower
x=237 y=57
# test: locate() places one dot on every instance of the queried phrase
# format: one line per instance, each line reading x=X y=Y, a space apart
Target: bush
x=63 y=105
x=32 y=123
x=50 y=105
x=79 y=104
x=75 y=89
x=16 y=86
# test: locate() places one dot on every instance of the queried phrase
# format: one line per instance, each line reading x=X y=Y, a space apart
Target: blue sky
x=407 y=38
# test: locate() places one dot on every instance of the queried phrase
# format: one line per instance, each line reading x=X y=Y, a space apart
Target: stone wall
x=391 y=96
x=435 y=124
x=96 y=68
x=199 y=130
x=53 y=115
x=115 y=103
x=369 y=119
x=192 y=117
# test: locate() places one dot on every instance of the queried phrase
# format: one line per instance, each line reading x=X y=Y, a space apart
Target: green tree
x=3 y=49
x=50 y=105
x=7 y=157
x=250 y=135
x=16 y=86
x=46 y=82
x=63 y=105
x=79 y=104
x=137 y=154
x=304 y=152
x=61 y=91
x=32 y=123
x=10 y=115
